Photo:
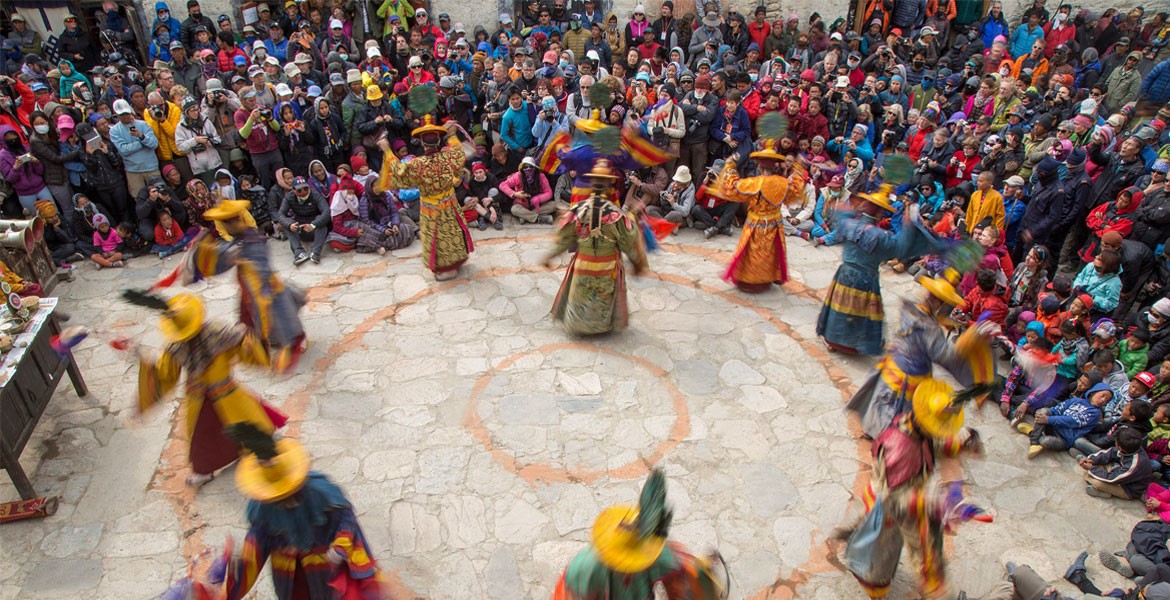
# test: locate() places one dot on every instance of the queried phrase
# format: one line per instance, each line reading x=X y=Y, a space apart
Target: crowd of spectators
x=1042 y=135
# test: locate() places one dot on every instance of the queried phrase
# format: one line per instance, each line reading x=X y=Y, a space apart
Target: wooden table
x=29 y=375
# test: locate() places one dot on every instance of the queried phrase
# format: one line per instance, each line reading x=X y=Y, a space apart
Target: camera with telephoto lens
x=265 y=113
x=158 y=112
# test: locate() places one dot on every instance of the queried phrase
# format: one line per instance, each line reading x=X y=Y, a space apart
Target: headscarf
x=88 y=211
x=198 y=201
x=321 y=187
x=345 y=194
x=280 y=179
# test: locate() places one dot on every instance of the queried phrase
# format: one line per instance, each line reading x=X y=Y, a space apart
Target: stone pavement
x=478 y=441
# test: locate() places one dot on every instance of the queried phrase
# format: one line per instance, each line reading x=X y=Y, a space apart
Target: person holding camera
x=163 y=118
x=677 y=200
x=136 y=142
x=196 y=137
x=153 y=199
x=259 y=130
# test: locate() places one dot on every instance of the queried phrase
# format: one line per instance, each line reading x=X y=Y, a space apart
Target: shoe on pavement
x=499 y=225
x=1077 y=568
x=1025 y=428
x=1096 y=493
x=726 y=231
x=481 y=224
x=709 y=232
x=316 y=258
x=1035 y=450
x=1114 y=563
x=300 y=259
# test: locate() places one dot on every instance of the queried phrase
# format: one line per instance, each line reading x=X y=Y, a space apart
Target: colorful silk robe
x=214 y=399
x=446 y=241
x=919 y=343
x=297 y=535
x=760 y=259
x=592 y=297
x=684 y=577
x=268 y=305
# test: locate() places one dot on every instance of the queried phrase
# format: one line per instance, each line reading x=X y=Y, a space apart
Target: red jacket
x=227 y=57
x=19 y=120
x=759 y=33
x=979 y=302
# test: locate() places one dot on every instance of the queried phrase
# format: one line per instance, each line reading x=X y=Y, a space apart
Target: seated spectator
x=1099 y=279
x=1059 y=427
x=1132 y=351
x=480 y=204
x=304 y=214
x=150 y=200
x=530 y=194
x=108 y=244
x=1110 y=217
x=169 y=238
x=675 y=202
x=1122 y=471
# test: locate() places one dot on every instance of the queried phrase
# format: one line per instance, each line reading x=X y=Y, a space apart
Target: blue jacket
x=1156 y=85
x=1105 y=289
x=137 y=155
x=1075 y=417
x=516 y=128
x=1023 y=39
x=863 y=151
x=1013 y=209
x=741 y=130
x=172 y=23
x=991 y=29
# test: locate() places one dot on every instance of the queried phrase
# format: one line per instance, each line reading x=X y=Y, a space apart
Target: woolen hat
x=1075 y=158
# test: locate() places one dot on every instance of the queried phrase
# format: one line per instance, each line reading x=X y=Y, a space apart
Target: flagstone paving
x=478 y=441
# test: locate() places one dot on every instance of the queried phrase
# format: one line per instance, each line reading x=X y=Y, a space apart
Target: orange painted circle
x=546 y=473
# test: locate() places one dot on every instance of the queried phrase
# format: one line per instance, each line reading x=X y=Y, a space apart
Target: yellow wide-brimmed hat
x=768 y=153
x=593 y=124
x=618 y=543
x=601 y=170
x=227 y=210
x=934 y=412
x=428 y=126
x=183 y=318
x=943 y=288
x=880 y=198
x=276 y=479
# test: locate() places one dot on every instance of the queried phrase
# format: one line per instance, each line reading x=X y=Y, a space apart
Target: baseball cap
x=176 y=44
x=1146 y=378
x=336 y=79
x=300 y=183
x=122 y=107
x=1015 y=181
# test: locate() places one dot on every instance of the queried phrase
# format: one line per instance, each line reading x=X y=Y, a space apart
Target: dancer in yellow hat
x=903 y=508
x=919 y=343
x=214 y=400
x=629 y=554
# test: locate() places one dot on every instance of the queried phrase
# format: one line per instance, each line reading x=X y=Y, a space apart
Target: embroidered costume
x=214 y=400
x=919 y=343
x=268 y=306
x=300 y=520
x=592 y=297
x=852 y=319
x=903 y=508
x=760 y=259
x=446 y=241
x=629 y=554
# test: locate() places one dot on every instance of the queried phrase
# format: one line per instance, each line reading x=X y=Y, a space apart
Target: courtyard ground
x=478 y=441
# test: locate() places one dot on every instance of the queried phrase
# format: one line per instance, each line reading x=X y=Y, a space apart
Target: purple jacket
x=26 y=179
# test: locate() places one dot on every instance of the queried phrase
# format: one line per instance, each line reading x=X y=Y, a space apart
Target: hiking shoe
x=1025 y=428
x=118 y=264
x=316 y=258
x=480 y=224
x=544 y=220
x=300 y=259
x=499 y=225
x=1077 y=569
x=726 y=231
x=1115 y=563
x=1035 y=450
x=709 y=233
x=1096 y=493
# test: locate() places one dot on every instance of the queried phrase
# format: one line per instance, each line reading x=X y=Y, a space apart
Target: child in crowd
x=1105 y=337
x=1059 y=427
x=984 y=298
x=1115 y=413
x=168 y=236
x=1074 y=354
x=1135 y=415
x=1119 y=472
x=1158 y=440
x=1018 y=386
x=108 y=244
x=252 y=191
x=1078 y=308
x=1132 y=351
x=1026 y=283
x=1112 y=373
x=133 y=245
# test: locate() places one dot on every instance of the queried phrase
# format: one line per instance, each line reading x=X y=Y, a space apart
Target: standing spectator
x=517 y=122
x=699 y=107
x=163 y=117
x=986 y=203
x=1156 y=85
x=196 y=137
x=45 y=145
x=730 y=130
x=1124 y=84
x=135 y=141
x=103 y=170
x=23 y=171
x=28 y=40
x=194 y=19
x=259 y=129
x=304 y=214
x=76 y=45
